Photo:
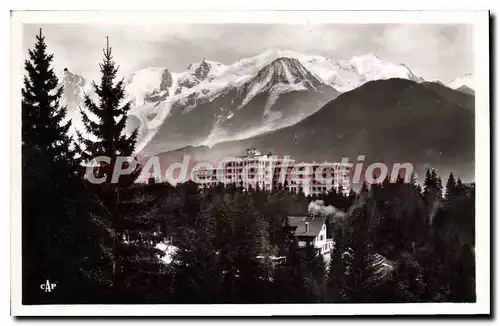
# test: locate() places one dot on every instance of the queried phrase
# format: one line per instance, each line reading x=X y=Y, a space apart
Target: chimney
x=307 y=227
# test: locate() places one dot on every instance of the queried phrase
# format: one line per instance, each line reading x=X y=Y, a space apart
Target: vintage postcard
x=250 y=163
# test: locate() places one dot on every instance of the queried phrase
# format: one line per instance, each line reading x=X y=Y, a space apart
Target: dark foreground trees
x=62 y=230
x=395 y=246
x=136 y=268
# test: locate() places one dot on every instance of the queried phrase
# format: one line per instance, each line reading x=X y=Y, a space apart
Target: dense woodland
x=98 y=242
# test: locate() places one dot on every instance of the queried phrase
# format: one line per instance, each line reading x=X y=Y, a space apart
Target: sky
x=434 y=52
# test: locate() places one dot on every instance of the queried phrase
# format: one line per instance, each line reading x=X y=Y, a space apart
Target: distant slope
x=458 y=97
x=389 y=121
x=464 y=83
x=467 y=90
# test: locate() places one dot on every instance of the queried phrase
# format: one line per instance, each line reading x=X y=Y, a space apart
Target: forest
x=98 y=243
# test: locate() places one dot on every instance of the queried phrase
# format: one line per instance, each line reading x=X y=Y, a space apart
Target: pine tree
x=196 y=267
x=432 y=189
x=251 y=241
x=359 y=239
x=432 y=180
x=142 y=274
x=450 y=186
x=315 y=273
x=429 y=181
x=336 y=281
x=413 y=179
x=440 y=187
x=109 y=129
x=136 y=231
x=415 y=185
x=62 y=229
x=43 y=119
x=461 y=189
x=290 y=279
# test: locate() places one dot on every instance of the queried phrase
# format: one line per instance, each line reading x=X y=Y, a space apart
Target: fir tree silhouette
x=61 y=239
x=450 y=186
x=136 y=266
x=44 y=125
x=109 y=126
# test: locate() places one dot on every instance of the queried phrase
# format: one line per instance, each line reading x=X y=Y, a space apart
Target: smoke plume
x=318 y=207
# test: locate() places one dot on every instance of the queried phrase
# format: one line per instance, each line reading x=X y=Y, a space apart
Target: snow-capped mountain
x=464 y=81
x=148 y=85
x=345 y=75
x=266 y=81
x=75 y=87
x=211 y=102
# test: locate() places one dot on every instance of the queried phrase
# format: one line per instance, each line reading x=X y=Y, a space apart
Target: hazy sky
x=430 y=51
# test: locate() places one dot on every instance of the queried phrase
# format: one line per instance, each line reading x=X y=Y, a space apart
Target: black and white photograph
x=281 y=161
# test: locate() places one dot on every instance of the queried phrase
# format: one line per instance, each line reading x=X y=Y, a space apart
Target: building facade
x=268 y=171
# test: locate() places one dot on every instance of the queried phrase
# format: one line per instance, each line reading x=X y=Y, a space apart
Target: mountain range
x=390 y=121
x=303 y=105
x=210 y=102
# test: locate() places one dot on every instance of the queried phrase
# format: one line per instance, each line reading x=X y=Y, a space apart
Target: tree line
x=98 y=243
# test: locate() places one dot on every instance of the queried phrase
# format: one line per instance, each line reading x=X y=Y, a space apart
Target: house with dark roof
x=311 y=229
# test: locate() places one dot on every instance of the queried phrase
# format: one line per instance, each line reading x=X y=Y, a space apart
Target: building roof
x=299 y=225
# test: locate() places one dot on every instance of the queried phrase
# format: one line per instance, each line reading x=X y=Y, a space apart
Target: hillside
x=393 y=120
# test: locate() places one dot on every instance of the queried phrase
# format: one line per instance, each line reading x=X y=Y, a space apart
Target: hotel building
x=268 y=171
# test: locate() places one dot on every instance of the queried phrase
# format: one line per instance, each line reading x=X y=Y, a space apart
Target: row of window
x=244 y=163
x=276 y=175
x=215 y=182
x=253 y=179
x=314 y=176
x=229 y=176
x=250 y=170
x=291 y=181
x=320 y=189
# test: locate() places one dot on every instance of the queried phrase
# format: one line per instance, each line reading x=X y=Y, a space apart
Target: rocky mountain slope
x=211 y=102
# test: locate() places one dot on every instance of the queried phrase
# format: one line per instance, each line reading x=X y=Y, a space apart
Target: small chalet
x=311 y=229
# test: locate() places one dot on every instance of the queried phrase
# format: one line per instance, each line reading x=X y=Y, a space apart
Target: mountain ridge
x=464 y=82
x=267 y=79
x=390 y=121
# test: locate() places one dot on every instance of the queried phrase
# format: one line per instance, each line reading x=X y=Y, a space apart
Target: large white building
x=315 y=178
x=250 y=170
x=267 y=171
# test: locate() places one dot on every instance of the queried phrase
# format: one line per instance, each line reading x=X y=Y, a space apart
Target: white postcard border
x=479 y=19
